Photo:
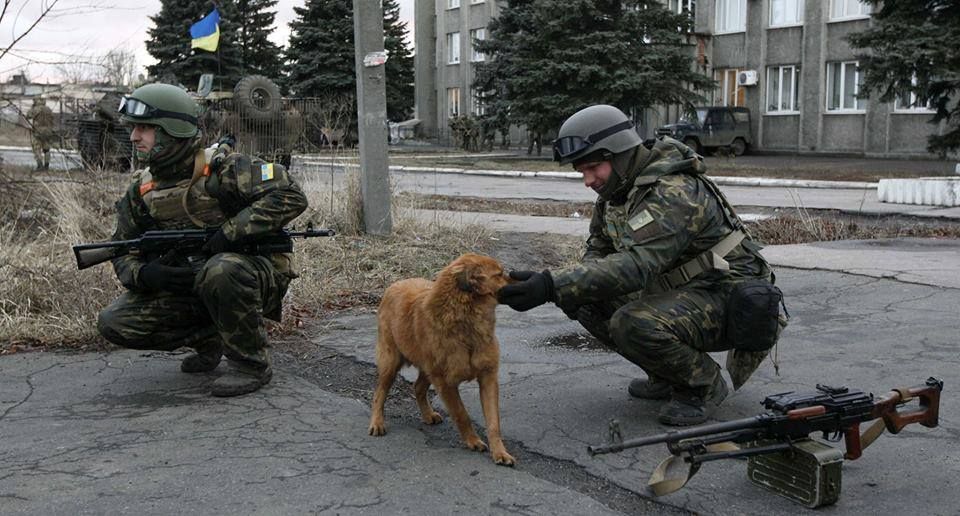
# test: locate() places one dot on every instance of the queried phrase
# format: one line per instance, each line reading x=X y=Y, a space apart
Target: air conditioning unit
x=747 y=78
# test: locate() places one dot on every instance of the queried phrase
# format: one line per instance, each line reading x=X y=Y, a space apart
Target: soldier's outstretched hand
x=531 y=290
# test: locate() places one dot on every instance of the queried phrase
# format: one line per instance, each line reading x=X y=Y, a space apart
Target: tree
x=399 y=67
x=549 y=58
x=320 y=58
x=909 y=53
x=169 y=44
x=258 y=55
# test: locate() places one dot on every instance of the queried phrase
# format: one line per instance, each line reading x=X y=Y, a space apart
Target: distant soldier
x=670 y=273
x=216 y=306
x=42 y=135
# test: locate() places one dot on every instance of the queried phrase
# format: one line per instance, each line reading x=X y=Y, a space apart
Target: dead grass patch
x=46 y=302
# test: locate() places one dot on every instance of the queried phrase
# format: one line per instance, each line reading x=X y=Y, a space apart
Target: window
x=728 y=93
x=453 y=4
x=786 y=12
x=909 y=101
x=477 y=1
x=684 y=6
x=731 y=15
x=453 y=102
x=453 y=48
x=479 y=106
x=783 y=95
x=847 y=9
x=843 y=83
x=476 y=34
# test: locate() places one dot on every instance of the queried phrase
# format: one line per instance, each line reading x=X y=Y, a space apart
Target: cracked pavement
x=126 y=432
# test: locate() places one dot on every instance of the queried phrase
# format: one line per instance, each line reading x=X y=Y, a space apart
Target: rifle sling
x=200 y=170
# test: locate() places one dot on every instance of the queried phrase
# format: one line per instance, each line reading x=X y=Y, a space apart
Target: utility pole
x=372 y=115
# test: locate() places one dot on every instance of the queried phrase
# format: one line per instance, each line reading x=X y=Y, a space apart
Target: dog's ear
x=464 y=280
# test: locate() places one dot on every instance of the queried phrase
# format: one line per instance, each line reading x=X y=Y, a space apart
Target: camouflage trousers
x=230 y=296
x=40 y=143
x=667 y=334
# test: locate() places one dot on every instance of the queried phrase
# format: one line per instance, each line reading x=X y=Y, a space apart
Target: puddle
x=575 y=341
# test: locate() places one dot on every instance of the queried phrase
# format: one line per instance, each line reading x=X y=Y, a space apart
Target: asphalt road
x=126 y=433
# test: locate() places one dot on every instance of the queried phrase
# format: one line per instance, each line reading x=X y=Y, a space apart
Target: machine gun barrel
x=679 y=435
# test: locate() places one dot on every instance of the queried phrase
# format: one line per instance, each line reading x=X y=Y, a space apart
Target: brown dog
x=445 y=328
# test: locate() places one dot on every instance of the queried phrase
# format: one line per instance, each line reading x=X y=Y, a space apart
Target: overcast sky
x=83 y=29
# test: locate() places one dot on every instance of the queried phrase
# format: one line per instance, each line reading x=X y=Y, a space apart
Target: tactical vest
x=620 y=227
x=181 y=204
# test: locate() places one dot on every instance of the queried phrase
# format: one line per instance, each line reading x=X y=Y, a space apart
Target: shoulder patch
x=640 y=220
x=266 y=172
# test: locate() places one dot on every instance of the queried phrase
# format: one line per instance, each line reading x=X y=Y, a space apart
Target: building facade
x=445 y=59
x=789 y=61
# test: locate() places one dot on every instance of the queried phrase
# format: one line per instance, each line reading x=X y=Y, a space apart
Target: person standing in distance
x=667 y=259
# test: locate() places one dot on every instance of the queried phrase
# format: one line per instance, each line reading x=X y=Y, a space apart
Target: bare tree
x=118 y=67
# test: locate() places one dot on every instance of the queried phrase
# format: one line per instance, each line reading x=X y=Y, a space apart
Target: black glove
x=533 y=289
x=216 y=244
x=156 y=275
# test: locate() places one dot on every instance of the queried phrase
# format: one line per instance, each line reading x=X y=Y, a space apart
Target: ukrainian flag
x=206 y=32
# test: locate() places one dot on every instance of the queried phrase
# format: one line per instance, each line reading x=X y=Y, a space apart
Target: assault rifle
x=778 y=444
x=188 y=243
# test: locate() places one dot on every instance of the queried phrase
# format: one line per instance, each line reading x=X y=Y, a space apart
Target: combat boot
x=207 y=357
x=649 y=389
x=686 y=408
x=240 y=380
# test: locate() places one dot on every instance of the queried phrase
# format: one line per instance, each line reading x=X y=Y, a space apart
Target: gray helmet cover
x=592 y=121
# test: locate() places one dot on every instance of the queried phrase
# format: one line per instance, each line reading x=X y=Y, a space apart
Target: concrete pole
x=372 y=115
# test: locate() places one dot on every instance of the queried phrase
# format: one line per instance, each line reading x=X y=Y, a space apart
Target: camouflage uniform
x=232 y=292
x=42 y=135
x=618 y=293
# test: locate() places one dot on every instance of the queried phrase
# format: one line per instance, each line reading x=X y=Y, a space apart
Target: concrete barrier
x=928 y=191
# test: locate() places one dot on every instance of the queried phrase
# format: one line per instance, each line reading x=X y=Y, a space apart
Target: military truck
x=705 y=129
x=102 y=140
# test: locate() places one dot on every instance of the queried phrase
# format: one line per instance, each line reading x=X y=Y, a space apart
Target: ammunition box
x=809 y=473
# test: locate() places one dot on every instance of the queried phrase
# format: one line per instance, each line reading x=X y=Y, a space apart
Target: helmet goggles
x=135 y=109
x=568 y=146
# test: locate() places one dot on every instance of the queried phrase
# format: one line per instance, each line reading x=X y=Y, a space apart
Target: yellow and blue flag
x=206 y=32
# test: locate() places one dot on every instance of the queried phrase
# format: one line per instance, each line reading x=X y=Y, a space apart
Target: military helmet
x=592 y=129
x=164 y=105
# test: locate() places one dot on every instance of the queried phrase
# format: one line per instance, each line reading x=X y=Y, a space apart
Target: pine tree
x=258 y=55
x=560 y=56
x=169 y=44
x=909 y=52
x=320 y=54
x=399 y=64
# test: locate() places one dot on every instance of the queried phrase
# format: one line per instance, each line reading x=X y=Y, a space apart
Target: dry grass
x=45 y=301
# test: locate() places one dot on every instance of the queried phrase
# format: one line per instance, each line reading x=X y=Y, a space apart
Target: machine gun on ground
x=782 y=457
x=188 y=242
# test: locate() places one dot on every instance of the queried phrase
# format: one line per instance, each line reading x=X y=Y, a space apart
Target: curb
x=556 y=174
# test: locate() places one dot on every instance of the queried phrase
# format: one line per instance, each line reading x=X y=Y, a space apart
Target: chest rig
x=620 y=228
x=179 y=204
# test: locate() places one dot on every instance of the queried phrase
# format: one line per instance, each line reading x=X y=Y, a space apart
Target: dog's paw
x=476 y=444
x=504 y=459
x=377 y=429
x=432 y=418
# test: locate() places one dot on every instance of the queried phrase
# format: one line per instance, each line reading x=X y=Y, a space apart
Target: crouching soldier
x=216 y=305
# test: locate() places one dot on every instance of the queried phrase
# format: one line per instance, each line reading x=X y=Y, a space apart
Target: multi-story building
x=789 y=61
x=445 y=59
